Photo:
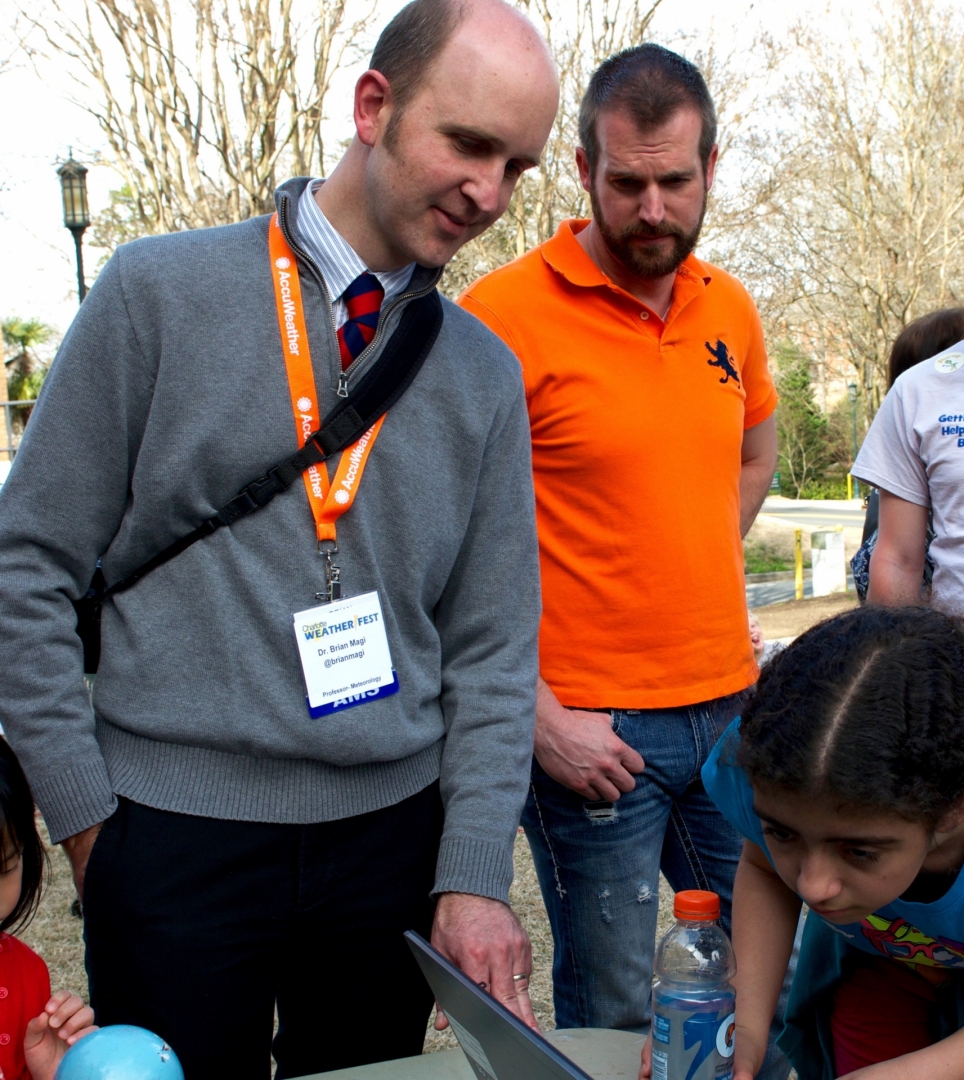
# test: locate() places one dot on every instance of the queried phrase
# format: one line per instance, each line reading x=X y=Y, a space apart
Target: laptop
x=498 y=1045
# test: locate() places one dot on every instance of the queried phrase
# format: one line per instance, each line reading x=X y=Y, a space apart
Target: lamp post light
x=852 y=391
x=73 y=185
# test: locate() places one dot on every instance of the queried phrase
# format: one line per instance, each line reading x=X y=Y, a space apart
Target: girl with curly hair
x=845 y=775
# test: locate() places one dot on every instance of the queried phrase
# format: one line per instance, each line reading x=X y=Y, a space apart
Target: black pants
x=196 y=927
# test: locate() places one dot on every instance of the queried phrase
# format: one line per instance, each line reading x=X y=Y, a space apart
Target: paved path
x=809 y=515
x=761 y=593
x=816 y=513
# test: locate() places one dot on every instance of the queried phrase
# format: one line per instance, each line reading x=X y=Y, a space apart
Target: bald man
x=247 y=833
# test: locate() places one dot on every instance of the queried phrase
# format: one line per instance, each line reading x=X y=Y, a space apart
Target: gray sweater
x=168 y=395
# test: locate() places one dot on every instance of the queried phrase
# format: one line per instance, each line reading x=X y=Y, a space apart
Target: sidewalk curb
x=777 y=575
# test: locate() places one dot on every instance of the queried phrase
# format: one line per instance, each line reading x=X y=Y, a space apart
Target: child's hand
x=50 y=1035
x=646 y=1062
x=748 y=1055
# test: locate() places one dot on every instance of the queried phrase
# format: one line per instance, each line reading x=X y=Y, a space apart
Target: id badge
x=344 y=654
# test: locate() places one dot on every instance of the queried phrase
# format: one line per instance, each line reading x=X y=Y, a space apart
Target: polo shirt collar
x=566 y=256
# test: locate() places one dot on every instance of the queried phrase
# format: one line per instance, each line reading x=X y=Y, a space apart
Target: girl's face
x=843 y=865
x=756 y=638
x=11 y=877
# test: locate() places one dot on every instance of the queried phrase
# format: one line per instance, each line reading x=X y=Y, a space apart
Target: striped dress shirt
x=337 y=259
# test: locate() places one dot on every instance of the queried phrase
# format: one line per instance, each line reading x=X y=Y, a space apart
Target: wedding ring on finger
x=520 y=978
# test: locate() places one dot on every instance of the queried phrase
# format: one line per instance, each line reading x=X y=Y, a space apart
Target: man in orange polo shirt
x=654 y=444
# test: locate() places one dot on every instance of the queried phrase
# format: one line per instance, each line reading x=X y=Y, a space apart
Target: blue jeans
x=598 y=865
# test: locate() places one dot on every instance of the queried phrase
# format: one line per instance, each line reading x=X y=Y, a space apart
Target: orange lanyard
x=328 y=499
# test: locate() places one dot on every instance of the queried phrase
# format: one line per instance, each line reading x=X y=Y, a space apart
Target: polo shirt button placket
x=644 y=315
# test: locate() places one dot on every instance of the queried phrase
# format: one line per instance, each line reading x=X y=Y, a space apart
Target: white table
x=604 y=1054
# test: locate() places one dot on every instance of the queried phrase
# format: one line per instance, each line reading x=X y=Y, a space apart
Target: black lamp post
x=73 y=184
x=852 y=391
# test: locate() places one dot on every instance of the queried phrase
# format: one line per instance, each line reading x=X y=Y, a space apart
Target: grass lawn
x=56 y=934
x=761 y=557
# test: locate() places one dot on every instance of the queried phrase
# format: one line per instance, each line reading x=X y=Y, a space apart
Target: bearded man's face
x=649 y=191
x=641 y=247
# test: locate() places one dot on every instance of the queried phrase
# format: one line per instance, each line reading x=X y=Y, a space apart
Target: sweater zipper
x=344 y=376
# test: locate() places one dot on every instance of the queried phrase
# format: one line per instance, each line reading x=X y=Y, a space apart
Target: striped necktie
x=363 y=299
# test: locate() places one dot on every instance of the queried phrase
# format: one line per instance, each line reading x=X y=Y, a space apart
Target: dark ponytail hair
x=923 y=338
x=18 y=827
x=867 y=707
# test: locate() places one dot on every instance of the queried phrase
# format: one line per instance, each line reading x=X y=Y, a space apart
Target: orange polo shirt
x=637 y=428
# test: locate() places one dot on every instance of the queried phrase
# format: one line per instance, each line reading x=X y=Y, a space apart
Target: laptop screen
x=498 y=1045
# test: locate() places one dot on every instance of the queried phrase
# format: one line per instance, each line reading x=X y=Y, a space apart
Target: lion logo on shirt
x=721 y=359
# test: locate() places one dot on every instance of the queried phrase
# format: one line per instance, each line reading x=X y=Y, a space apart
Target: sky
x=41 y=124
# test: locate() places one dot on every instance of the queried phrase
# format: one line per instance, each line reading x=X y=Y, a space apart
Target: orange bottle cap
x=695 y=905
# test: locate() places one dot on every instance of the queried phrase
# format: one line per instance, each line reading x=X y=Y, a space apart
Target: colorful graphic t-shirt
x=930 y=935
x=915 y=450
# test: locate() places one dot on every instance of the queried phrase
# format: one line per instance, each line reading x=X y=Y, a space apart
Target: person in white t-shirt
x=914 y=455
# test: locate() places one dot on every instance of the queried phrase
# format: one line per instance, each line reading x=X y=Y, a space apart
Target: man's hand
x=484 y=938
x=78 y=848
x=581 y=751
x=50 y=1035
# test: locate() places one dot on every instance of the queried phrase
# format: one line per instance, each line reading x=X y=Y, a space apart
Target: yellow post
x=798 y=561
x=850 y=486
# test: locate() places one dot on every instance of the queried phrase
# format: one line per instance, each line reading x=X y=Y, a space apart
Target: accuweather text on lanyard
x=343 y=643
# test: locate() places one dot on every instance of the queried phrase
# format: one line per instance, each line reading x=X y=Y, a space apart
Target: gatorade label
x=693 y=1045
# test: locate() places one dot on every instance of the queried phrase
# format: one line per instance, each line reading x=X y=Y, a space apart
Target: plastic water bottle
x=693 y=1001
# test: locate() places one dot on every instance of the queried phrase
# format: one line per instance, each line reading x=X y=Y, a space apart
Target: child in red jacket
x=36 y=1029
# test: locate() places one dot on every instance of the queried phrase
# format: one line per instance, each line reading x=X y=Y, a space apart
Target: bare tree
x=859 y=197
x=203 y=104
x=11 y=47
x=11 y=44
x=581 y=34
x=741 y=80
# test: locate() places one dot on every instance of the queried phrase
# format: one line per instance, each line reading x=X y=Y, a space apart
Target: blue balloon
x=120 y=1052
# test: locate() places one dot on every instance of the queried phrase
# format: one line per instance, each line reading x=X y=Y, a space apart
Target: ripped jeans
x=599 y=864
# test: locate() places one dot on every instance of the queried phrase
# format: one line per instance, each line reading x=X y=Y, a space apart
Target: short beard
x=644 y=262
